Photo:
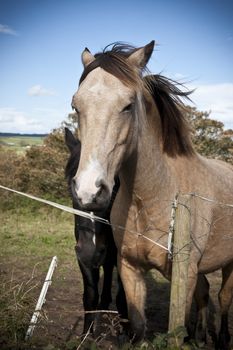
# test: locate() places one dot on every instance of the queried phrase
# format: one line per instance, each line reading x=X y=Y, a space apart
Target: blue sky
x=41 y=42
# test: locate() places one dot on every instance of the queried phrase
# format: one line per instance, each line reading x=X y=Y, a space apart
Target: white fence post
x=41 y=300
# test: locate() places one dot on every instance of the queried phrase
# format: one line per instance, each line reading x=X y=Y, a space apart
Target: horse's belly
x=214 y=236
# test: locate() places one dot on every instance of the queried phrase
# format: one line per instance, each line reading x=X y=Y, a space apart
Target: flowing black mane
x=165 y=92
x=167 y=96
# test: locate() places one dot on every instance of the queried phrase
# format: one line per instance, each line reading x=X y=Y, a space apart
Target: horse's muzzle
x=96 y=200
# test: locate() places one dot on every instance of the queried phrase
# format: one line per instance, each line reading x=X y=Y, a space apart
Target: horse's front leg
x=106 y=295
x=135 y=291
x=90 y=295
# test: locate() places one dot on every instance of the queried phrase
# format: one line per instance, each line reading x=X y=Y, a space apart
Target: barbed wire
x=173 y=204
x=193 y=194
x=90 y=216
x=172 y=250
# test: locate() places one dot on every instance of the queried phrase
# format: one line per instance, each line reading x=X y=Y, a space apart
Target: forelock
x=115 y=62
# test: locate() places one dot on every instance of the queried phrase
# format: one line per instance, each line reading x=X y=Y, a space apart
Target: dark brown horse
x=134 y=127
x=94 y=248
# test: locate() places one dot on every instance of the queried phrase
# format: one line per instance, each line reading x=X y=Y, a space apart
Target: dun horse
x=134 y=127
x=95 y=247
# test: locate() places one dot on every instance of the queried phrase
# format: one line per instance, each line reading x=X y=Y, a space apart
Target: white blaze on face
x=87 y=180
x=94 y=236
x=94 y=239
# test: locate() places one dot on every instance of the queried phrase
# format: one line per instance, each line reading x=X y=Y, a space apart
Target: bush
x=39 y=172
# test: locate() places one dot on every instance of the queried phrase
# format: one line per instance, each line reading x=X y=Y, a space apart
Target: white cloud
x=38 y=120
x=12 y=120
x=217 y=98
x=5 y=29
x=38 y=90
x=214 y=98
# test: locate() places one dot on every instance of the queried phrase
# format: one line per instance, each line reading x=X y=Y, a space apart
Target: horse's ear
x=141 y=56
x=70 y=140
x=87 y=57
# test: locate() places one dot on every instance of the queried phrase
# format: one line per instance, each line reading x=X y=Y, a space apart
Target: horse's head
x=71 y=168
x=91 y=247
x=107 y=103
x=92 y=237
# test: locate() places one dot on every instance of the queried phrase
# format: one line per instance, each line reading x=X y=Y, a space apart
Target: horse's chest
x=135 y=250
x=141 y=227
x=129 y=237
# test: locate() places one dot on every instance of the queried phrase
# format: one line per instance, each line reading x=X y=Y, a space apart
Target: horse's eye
x=128 y=108
x=76 y=110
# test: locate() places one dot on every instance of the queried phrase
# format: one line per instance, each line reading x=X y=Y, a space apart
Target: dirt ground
x=62 y=321
x=64 y=317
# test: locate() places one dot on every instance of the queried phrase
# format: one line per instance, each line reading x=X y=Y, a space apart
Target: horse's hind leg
x=225 y=299
x=201 y=296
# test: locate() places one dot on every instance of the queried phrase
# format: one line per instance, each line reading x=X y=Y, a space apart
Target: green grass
x=43 y=232
x=29 y=238
x=30 y=235
x=20 y=143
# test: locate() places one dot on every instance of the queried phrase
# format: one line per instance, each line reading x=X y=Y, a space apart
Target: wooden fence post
x=180 y=263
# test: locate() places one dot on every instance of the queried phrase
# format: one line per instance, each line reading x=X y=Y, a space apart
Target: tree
x=209 y=137
x=41 y=170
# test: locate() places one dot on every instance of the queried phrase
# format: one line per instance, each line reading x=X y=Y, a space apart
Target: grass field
x=20 y=143
x=29 y=238
x=30 y=235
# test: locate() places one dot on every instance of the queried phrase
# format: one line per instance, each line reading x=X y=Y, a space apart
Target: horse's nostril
x=98 y=182
x=75 y=183
x=102 y=188
x=101 y=183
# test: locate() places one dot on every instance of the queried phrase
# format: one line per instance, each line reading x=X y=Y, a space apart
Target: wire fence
x=164 y=233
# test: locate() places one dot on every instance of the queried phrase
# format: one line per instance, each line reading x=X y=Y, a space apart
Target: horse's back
x=221 y=179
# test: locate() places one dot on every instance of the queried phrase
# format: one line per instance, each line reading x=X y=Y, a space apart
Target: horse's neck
x=147 y=184
x=148 y=167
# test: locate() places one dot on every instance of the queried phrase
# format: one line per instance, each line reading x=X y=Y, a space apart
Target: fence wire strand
x=151 y=226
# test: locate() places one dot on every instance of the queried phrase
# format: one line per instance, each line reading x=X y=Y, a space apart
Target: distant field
x=20 y=143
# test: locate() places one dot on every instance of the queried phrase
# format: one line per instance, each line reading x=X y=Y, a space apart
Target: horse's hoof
x=200 y=344
x=200 y=338
x=223 y=341
x=122 y=339
x=130 y=336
